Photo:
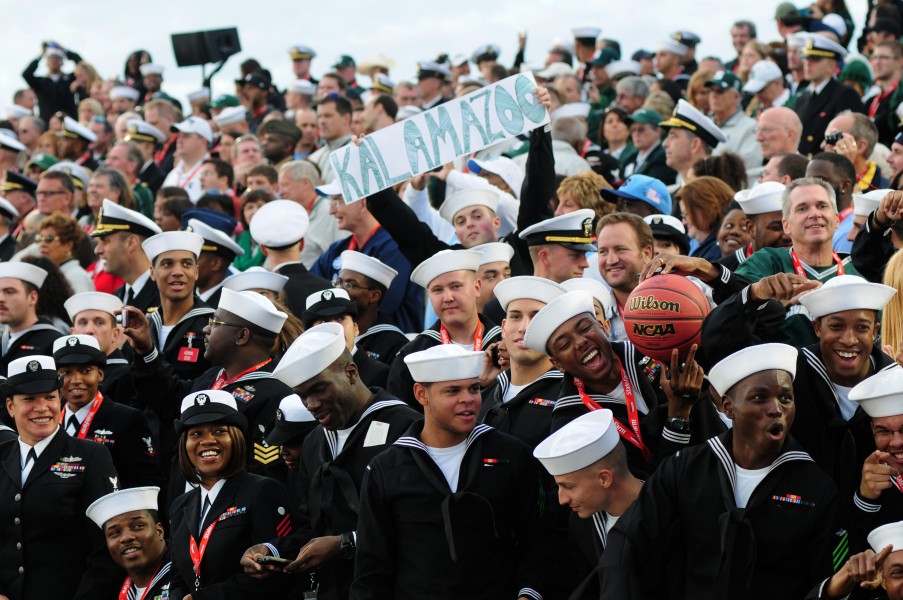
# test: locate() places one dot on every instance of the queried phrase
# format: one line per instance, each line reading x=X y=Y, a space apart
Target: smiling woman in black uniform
x=229 y=511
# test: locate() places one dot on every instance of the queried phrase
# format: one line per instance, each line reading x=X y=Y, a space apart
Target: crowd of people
x=223 y=380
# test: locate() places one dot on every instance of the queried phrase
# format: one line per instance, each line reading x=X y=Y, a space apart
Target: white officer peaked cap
x=230 y=116
x=754 y=359
x=253 y=307
x=494 y=252
x=446 y=362
x=887 y=535
x=580 y=443
x=310 y=354
x=11 y=143
x=763 y=198
x=83 y=301
x=124 y=91
x=596 y=288
x=686 y=116
x=846 y=292
x=674 y=47
x=527 y=287
x=572 y=230
x=142 y=131
x=214 y=239
x=7 y=207
x=24 y=272
x=255 y=278
x=553 y=315
x=820 y=46
x=170 y=241
x=465 y=199
x=444 y=262
x=279 y=223
x=881 y=395
x=368 y=266
x=586 y=32
x=114 y=217
x=121 y=502
x=867 y=203
x=74 y=129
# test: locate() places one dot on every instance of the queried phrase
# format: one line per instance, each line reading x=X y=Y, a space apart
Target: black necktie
x=30 y=458
x=204 y=511
x=74 y=424
x=130 y=296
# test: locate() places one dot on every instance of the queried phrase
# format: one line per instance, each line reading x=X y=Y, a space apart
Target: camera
x=833 y=138
x=123 y=318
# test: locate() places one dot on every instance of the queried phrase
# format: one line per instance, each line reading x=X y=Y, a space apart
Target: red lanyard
x=86 y=424
x=161 y=154
x=876 y=101
x=197 y=554
x=749 y=251
x=84 y=158
x=127 y=585
x=635 y=437
x=897 y=480
x=845 y=213
x=352 y=245
x=798 y=267
x=477 y=336
x=222 y=382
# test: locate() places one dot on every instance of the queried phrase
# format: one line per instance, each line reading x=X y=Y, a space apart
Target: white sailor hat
x=555 y=70
x=762 y=73
x=586 y=33
x=527 y=287
x=466 y=198
x=142 y=131
x=255 y=278
x=575 y=110
x=459 y=60
x=368 y=266
x=83 y=301
x=752 y=359
x=150 y=69
x=881 y=395
x=328 y=190
x=170 y=241
x=444 y=262
x=502 y=166
x=836 y=23
x=867 y=203
x=572 y=230
x=253 y=307
x=17 y=112
x=8 y=142
x=429 y=68
x=890 y=534
x=302 y=52
x=121 y=502
x=686 y=116
x=78 y=349
x=201 y=94
x=846 y=292
x=79 y=175
x=382 y=83
x=292 y=419
x=310 y=354
x=230 y=115
x=764 y=198
x=303 y=87
x=279 y=224
x=445 y=362
x=406 y=112
x=74 y=130
x=113 y=218
x=215 y=240
x=124 y=91
x=623 y=67
x=493 y=252
x=486 y=52
x=23 y=271
x=579 y=444
x=209 y=406
x=195 y=125
x=673 y=46
x=598 y=290
x=380 y=61
x=7 y=208
x=818 y=46
x=30 y=375
x=554 y=315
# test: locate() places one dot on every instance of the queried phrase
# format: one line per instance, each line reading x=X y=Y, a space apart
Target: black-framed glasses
x=347 y=284
x=212 y=323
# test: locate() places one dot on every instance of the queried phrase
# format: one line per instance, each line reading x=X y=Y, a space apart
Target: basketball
x=665 y=312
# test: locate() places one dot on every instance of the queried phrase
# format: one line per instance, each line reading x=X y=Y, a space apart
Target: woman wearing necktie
x=229 y=511
x=47 y=481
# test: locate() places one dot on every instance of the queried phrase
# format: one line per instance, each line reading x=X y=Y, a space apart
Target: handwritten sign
x=435 y=137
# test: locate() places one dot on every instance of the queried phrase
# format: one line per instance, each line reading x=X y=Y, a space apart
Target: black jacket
x=37 y=340
x=373 y=372
x=251 y=510
x=8 y=247
x=183 y=339
x=401 y=384
x=816 y=111
x=117 y=381
x=418 y=538
x=330 y=484
x=382 y=341
x=527 y=416
x=301 y=284
x=653 y=166
x=46 y=517
x=152 y=176
x=872 y=248
x=146 y=300
x=53 y=95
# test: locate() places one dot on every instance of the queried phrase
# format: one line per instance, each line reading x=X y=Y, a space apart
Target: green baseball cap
x=224 y=101
x=43 y=161
x=646 y=116
x=724 y=80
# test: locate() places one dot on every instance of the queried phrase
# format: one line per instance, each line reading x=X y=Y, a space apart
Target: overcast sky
x=104 y=32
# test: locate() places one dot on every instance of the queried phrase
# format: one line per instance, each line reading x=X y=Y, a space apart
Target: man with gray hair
x=631 y=92
x=859 y=136
x=298 y=181
x=568 y=138
x=741 y=33
x=127 y=158
x=724 y=100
